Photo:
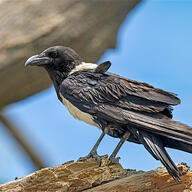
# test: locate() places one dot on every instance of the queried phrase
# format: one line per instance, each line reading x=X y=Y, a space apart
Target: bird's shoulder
x=86 y=80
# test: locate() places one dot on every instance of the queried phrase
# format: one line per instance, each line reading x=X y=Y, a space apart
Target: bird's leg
x=93 y=152
x=112 y=158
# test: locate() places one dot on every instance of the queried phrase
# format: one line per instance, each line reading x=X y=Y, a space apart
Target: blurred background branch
x=19 y=137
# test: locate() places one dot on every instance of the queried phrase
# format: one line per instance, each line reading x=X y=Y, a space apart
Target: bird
x=122 y=108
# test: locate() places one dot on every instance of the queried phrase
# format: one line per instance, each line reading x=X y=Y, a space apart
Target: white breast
x=87 y=118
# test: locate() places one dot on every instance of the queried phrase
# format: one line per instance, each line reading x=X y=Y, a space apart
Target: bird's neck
x=57 y=77
x=84 y=67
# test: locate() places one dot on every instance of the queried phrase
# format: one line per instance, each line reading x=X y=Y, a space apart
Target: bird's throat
x=57 y=78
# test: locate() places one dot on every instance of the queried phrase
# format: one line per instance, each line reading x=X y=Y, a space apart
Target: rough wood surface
x=157 y=180
x=28 y=27
x=85 y=175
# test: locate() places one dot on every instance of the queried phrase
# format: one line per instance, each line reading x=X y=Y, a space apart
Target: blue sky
x=154 y=46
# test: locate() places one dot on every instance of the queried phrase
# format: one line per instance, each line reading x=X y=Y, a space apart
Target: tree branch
x=86 y=175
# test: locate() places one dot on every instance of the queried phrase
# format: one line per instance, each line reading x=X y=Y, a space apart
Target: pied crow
x=123 y=108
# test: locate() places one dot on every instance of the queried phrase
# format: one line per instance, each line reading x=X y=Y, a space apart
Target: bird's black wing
x=96 y=88
x=124 y=101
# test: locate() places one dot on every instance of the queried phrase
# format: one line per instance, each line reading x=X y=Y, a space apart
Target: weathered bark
x=85 y=175
x=28 y=27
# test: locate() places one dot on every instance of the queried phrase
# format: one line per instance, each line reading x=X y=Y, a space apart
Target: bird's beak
x=38 y=60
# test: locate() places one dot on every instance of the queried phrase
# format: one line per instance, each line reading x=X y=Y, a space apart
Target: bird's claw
x=113 y=160
x=98 y=159
x=93 y=155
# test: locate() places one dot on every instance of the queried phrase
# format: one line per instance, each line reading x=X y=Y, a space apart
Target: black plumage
x=116 y=104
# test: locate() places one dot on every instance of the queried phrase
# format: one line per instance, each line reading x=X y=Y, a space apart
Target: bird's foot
x=93 y=154
x=113 y=160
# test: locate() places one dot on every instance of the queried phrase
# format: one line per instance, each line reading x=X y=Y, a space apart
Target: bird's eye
x=53 y=54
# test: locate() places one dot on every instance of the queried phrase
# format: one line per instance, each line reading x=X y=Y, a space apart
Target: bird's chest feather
x=78 y=114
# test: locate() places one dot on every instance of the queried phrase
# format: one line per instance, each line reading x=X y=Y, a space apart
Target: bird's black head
x=58 y=58
x=58 y=61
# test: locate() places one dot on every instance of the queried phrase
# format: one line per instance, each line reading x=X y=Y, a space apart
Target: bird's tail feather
x=155 y=146
x=164 y=128
x=174 y=144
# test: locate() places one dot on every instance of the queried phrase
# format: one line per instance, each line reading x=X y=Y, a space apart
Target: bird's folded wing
x=124 y=101
x=95 y=88
x=146 y=91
